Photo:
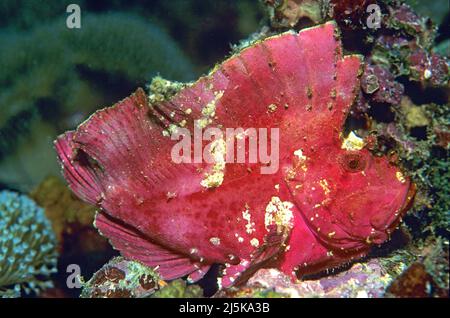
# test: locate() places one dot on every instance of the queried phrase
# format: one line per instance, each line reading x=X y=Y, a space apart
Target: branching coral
x=35 y=63
x=27 y=246
x=52 y=76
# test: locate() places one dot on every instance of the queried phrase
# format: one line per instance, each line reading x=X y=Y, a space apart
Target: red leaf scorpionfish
x=328 y=201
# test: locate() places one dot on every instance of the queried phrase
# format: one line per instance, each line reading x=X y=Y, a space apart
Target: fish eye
x=353 y=162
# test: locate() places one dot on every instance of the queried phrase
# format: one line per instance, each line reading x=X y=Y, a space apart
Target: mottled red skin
x=120 y=160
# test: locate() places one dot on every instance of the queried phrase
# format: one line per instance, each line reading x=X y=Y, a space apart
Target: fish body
x=327 y=202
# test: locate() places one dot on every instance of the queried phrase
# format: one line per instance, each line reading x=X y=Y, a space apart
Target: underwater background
x=52 y=78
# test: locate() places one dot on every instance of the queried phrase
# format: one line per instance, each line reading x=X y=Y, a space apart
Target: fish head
x=375 y=196
x=352 y=199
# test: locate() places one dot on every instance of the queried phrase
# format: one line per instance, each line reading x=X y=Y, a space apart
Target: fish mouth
x=397 y=218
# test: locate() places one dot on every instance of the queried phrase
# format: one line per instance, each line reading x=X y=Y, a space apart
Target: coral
x=179 y=289
x=435 y=258
x=423 y=271
x=27 y=246
x=401 y=47
x=98 y=48
x=418 y=269
x=379 y=82
x=253 y=291
x=161 y=90
x=23 y=14
x=362 y=280
x=62 y=208
x=427 y=160
x=432 y=9
x=78 y=241
x=53 y=76
x=405 y=47
x=286 y=14
x=414 y=282
x=443 y=48
x=408 y=57
x=415 y=116
x=121 y=278
x=351 y=15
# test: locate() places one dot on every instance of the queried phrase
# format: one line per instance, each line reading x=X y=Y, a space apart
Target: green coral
x=439 y=176
x=443 y=48
x=161 y=89
x=51 y=74
x=179 y=289
x=431 y=252
x=432 y=9
x=268 y=294
x=407 y=50
x=436 y=261
x=429 y=167
x=122 y=278
x=27 y=246
x=135 y=271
